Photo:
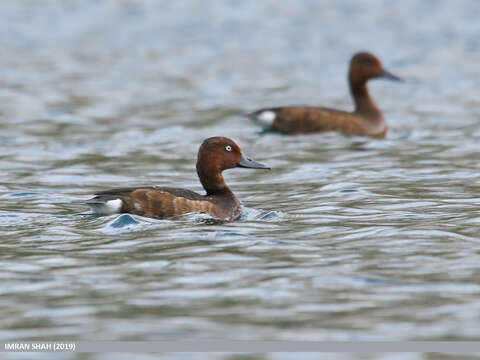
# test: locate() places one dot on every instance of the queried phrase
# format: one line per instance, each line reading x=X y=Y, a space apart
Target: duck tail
x=263 y=117
x=105 y=205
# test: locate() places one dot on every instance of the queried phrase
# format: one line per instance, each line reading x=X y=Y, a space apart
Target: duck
x=215 y=155
x=365 y=120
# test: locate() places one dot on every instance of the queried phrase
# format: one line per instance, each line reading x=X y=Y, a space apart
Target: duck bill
x=389 y=76
x=246 y=162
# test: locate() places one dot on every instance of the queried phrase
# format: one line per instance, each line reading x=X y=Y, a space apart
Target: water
x=344 y=239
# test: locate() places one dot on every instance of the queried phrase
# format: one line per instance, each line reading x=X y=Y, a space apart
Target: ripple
x=23 y=194
x=124 y=221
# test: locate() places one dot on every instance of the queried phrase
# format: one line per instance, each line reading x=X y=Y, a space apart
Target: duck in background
x=215 y=155
x=365 y=120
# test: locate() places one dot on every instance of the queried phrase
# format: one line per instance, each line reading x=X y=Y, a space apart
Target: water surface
x=344 y=239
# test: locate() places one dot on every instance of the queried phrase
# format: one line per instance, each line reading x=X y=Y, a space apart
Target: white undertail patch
x=266 y=117
x=107 y=208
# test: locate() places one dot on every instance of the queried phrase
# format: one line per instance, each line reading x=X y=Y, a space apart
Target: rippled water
x=345 y=239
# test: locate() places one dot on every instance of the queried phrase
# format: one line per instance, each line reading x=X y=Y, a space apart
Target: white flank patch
x=266 y=117
x=107 y=208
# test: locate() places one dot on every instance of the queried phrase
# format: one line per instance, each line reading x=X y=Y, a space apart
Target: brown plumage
x=365 y=120
x=215 y=155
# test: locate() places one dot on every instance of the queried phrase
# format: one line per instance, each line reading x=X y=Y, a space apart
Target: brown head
x=365 y=66
x=217 y=154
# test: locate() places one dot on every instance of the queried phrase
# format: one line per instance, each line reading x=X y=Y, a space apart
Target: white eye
x=228 y=148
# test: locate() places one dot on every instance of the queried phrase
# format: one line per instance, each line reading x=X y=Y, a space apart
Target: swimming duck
x=215 y=155
x=365 y=120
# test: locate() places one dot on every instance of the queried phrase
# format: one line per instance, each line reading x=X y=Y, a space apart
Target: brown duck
x=215 y=155
x=365 y=120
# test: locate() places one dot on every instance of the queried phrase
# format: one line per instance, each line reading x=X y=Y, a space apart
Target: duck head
x=365 y=66
x=217 y=154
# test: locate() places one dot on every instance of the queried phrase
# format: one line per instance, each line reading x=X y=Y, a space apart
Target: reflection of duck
x=215 y=155
x=365 y=120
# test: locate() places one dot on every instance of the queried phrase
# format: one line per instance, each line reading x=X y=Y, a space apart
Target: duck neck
x=364 y=104
x=212 y=180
